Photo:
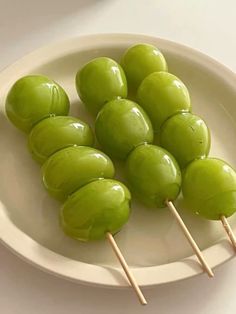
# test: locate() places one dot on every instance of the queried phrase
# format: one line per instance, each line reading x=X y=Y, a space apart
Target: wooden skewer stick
x=126 y=269
x=228 y=230
x=190 y=239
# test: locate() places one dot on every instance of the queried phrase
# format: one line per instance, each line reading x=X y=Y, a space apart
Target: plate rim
x=98 y=275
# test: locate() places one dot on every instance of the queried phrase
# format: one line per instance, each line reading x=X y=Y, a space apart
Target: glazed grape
x=209 y=188
x=120 y=126
x=33 y=98
x=153 y=174
x=100 y=81
x=52 y=134
x=71 y=168
x=162 y=95
x=97 y=208
x=186 y=137
x=141 y=60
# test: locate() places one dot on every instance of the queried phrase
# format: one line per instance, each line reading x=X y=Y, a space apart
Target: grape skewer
x=183 y=134
x=31 y=106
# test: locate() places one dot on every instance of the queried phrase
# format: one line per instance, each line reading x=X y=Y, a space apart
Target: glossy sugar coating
x=162 y=95
x=100 y=81
x=153 y=174
x=33 y=98
x=186 y=137
x=209 y=188
x=71 y=168
x=122 y=125
x=97 y=208
x=141 y=60
x=54 y=133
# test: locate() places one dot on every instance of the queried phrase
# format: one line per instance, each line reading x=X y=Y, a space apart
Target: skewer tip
x=190 y=239
x=228 y=230
x=126 y=269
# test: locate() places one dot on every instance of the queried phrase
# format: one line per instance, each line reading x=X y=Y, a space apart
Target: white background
x=207 y=25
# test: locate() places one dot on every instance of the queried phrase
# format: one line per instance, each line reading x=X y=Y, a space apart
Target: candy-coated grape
x=162 y=95
x=33 y=98
x=209 y=188
x=70 y=168
x=54 y=133
x=122 y=125
x=97 y=208
x=100 y=81
x=153 y=174
x=141 y=60
x=186 y=137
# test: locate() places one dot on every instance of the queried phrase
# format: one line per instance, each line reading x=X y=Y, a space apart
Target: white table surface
x=207 y=25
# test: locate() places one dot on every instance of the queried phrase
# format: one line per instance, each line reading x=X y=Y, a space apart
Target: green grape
x=122 y=125
x=54 y=133
x=97 y=208
x=100 y=81
x=33 y=98
x=162 y=95
x=153 y=174
x=209 y=188
x=186 y=137
x=141 y=60
x=70 y=168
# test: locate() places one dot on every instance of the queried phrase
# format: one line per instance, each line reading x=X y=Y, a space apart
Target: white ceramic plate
x=152 y=243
